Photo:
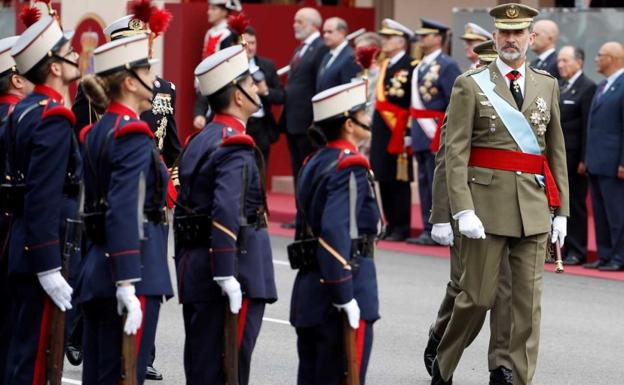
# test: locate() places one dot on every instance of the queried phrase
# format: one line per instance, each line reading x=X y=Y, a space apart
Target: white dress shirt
x=505 y=69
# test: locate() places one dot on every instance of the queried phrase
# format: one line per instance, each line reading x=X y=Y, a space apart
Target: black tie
x=514 y=87
x=564 y=86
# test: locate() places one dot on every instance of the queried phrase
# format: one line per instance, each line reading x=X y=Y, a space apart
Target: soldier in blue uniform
x=43 y=170
x=432 y=82
x=337 y=225
x=124 y=268
x=223 y=253
x=390 y=152
x=13 y=88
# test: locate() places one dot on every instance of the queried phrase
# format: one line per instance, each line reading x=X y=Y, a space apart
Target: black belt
x=95 y=222
x=156 y=216
x=302 y=253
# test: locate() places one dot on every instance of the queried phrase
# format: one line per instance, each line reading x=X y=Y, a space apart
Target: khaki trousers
x=479 y=287
x=500 y=315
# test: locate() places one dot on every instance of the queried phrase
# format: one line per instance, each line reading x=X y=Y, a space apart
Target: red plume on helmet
x=29 y=15
x=142 y=10
x=365 y=56
x=159 y=21
x=238 y=23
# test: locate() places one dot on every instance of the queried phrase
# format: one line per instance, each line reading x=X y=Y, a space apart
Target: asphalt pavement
x=582 y=334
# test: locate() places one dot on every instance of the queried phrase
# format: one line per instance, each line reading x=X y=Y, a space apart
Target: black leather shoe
x=74 y=355
x=153 y=374
x=573 y=260
x=593 y=265
x=501 y=376
x=423 y=239
x=611 y=267
x=436 y=377
x=431 y=350
x=394 y=237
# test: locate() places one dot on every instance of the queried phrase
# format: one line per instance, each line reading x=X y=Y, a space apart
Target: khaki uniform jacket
x=440 y=208
x=508 y=203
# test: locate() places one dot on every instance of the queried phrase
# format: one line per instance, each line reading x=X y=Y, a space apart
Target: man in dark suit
x=544 y=46
x=577 y=91
x=262 y=125
x=338 y=65
x=605 y=158
x=390 y=156
x=301 y=86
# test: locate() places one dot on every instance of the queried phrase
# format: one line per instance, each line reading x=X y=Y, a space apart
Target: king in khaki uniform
x=443 y=233
x=505 y=172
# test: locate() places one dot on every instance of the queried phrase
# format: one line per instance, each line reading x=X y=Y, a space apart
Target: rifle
x=353 y=372
x=128 y=357
x=55 y=347
x=230 y=335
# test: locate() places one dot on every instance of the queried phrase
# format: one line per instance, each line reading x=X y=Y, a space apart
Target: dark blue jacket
x=605 y=131
x=340 y=71
x=42 y=152
x=323 y=193
x=435 y=83
x=211 y=182
x=7 y=103
x=120 y=156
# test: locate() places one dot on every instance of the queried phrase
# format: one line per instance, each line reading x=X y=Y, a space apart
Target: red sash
x=395 y=118
x=431 y=114
x=508 y=160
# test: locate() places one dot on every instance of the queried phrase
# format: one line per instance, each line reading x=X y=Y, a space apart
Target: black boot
x=74 y=355
x=501 y=376
x=431 y=350
x=153 y=374
x=436 y=377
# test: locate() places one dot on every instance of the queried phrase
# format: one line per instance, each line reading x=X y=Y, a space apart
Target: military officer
x=337 y=220
x=505 y=171
x=432 y=81
x=474 y=34
x=223 y=253
x=219 y=36
x=443 y=233
x=13 y=88
x=125 y=266
x=390 y=151
x=43 y=170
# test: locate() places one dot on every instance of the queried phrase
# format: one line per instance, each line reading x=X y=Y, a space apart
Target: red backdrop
x=273 y=25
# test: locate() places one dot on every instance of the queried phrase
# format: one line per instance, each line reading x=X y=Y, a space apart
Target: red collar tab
x=9 y=99
x=49 y=92
x=121 y=109
x=342 y=144
x=230 y=121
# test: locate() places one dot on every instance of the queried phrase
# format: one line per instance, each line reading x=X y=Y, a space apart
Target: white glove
x=470 y=225
x=559 y=229
x=231 y=288
x=353 y=312
x=442 y=233
x=57 y=288
x=127 y=299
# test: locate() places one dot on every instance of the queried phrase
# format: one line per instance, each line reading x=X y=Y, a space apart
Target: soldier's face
x=390 y=45
x=251 y=89
x=512 y=45
x=144 y=95
x=470 y=55
x=216 y=13
x=68 y=72
x=361 y=133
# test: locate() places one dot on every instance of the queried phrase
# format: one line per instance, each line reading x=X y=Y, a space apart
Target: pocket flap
x=480 y=175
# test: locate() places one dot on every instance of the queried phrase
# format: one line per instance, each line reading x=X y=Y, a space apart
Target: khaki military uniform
x=500 y=315
x=513 y=208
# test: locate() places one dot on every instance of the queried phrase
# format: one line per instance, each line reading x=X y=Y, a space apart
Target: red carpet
x=282 y=208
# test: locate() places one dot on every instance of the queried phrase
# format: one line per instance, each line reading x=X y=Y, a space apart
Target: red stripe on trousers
x=40 y=361
x=242 y=317
x=140 y=330
x=360 y=335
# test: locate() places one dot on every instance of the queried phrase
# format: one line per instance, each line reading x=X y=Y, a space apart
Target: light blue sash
x=515 y=122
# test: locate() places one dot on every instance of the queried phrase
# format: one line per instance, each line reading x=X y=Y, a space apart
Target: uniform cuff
x=127 y=265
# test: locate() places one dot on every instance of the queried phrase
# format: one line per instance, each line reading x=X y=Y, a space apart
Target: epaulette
x=308 y=157
x=473 y=71
x=241 y=140
x=59 y=110
x=172 y=86
x=135 y=127
x=190 y=137
x=84 y=132
x=542 y=72
x=415 y=62
x=352 y=159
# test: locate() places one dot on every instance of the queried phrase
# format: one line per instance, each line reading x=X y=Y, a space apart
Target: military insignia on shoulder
x=541 y=72
x=540 y=116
